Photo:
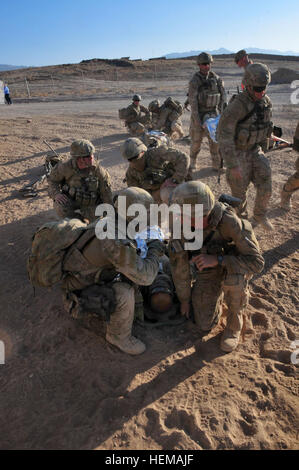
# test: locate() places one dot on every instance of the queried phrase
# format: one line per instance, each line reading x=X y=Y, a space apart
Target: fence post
x=28 y=91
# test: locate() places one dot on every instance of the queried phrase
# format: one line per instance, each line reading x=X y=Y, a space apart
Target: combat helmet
x=81 y=148
x=132 y=148
x=194 y=192
x=204 y=58
x=257 y=75
x=239 y=55
x=154 y=106
x=136 y=98
x=133 y=195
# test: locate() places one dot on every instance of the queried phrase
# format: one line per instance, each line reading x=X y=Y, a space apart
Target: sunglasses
x=259 y=89
x=205 y=63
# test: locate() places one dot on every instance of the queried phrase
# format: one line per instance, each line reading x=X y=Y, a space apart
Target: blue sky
x=67 y=31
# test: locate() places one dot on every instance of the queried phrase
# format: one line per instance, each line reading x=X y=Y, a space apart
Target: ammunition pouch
x=83 y=197
x=95 y=300
x=255 y=134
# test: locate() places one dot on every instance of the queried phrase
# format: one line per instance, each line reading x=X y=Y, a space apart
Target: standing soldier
x=292 y=183
x=79 y=184
x=243 y=130
x=136 y=117
x=242 y=60
x=166 y=118
x=229 y=256
x=156 y=169
x=207 y=99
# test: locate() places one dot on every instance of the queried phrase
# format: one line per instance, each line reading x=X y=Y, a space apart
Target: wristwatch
x=220 y=259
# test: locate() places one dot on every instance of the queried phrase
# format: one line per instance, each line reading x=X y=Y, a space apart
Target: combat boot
x=229 y=340
x=129 y=344
x=285 y=202
x=264 y=222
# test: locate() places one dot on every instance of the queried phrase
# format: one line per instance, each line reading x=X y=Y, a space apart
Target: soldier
x=242 y=132
x=157 y=169
x=229 y=256
x=80 y=183
x=93 y=267
x=207 y=99
x=242 y=60
x=166 y=118
x=292 y=183
x=137 y=116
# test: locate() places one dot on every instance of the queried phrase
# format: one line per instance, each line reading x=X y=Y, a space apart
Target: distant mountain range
x=250 y=50
x=4 y=67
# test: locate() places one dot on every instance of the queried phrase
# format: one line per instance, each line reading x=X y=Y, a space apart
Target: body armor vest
x=208 y=94
x=255 y=128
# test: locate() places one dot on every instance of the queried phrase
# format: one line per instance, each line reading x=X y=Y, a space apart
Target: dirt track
x=64 y=387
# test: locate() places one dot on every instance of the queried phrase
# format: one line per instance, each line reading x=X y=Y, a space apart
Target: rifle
x=29 y=190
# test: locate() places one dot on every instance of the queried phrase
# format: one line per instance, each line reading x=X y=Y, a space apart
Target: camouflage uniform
x=85 y=188
x=234 y=241
x=292 y=183
x=207 y=97
x=161 y=163
x=91 y=261
x=243 y=130
x=166 y=118
x=137 y=118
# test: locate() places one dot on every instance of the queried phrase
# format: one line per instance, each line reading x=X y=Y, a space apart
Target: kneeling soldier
x=79 y=184
x=92 y=265
x=157 y=170
x=229 y=256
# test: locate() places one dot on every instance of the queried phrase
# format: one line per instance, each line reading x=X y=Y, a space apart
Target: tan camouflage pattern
x=199 y=111
x=292 y=183
x=254 y=165
x=68 y=173
x=138 y=117
x=167 y=120
x=104 y=259
x=206 y=289
x=173 y=162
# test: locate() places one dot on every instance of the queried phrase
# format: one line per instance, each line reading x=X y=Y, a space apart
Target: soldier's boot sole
x=229 y=340
x=129 y=345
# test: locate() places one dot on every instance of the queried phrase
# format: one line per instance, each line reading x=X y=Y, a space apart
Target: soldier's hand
x=185 y=309
x=236 y=172
x=205 y=261
x=61 y=199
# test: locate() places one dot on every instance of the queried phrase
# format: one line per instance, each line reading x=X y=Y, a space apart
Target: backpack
x=123 y=113
x=174 y=104
x=49 y=247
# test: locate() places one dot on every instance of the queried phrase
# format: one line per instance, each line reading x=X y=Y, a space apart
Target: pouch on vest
x=95 y=300
x=212 y=100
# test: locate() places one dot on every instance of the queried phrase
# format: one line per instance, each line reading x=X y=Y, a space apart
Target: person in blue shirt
x=7 y=95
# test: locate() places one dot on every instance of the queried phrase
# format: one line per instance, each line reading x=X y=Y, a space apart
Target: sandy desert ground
x=62 y=386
